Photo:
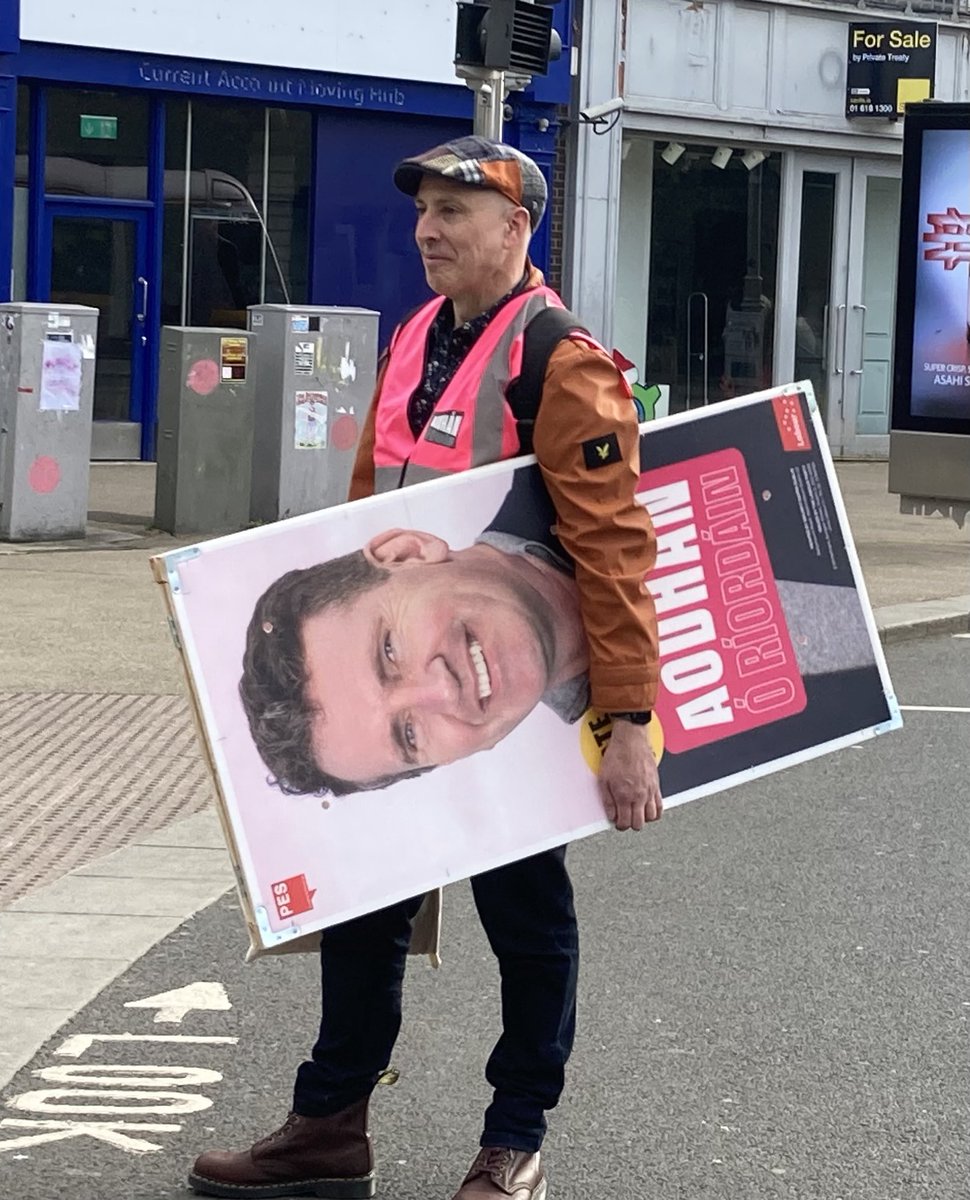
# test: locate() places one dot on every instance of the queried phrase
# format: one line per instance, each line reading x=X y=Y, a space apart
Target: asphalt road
x=775 y=1003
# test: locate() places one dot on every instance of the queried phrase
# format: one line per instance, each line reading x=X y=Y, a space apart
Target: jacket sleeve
x=592 y=481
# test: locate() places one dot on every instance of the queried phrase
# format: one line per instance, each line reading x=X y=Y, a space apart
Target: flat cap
x=479 y=162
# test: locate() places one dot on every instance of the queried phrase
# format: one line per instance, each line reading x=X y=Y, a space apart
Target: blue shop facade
x=179 y=191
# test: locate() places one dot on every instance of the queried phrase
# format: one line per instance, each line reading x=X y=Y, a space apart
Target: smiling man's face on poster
x=403 y=657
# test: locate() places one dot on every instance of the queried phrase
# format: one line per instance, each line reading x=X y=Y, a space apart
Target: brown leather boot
x=329 y=1157
x=498 y=1172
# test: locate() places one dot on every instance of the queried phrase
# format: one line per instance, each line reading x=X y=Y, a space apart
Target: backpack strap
x=542 y=335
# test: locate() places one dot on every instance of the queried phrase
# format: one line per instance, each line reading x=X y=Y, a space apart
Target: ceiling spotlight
x=672 y=152
x=721 y=157
x=753 y=158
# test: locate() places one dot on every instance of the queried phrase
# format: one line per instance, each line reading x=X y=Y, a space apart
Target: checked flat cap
x=479 y=162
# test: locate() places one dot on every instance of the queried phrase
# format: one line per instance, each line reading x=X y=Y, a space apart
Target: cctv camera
x=596 y=111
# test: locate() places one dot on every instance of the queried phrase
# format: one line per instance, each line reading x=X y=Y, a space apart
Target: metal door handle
x=702 y=357
x=840 y=342
x=142 y=316
x=862 y=340
x=825 y=335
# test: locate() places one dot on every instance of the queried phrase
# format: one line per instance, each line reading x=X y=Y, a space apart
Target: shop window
x=714 y=244
x=173 y=217
x=812 y=327
x=288 y=205
x=97 y=144
x=18 y=290
x=23 y=122
x=236 y=225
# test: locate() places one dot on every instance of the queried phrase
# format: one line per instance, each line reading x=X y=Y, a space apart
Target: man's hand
x=628 y=780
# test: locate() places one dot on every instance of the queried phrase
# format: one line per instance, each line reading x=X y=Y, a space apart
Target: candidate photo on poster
x=406 y=655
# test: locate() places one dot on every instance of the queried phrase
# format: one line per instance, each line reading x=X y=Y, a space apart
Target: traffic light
x=507 y=35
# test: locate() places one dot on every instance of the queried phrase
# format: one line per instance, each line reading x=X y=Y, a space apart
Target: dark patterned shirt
x=447 y=350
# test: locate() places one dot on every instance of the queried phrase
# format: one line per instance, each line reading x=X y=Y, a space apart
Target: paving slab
x=96 y=895
x=41 y=984
x=70 y=936
x=161 y=863
x=203 y=830
x=25 y=1029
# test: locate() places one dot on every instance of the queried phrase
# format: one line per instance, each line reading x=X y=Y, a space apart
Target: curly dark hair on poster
x=274 y=678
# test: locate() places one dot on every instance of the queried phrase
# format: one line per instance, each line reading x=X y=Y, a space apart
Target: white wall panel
x=404 y=39
x=813 y=78
x=671 y=49
x=951 y=60
x=749 y=58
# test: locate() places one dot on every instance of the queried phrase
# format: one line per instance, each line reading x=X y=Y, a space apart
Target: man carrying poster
x=440 y=407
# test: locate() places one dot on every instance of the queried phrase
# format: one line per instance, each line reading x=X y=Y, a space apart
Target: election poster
x=386 y=708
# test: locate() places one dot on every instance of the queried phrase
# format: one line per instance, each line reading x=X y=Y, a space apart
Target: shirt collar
x=477 y=324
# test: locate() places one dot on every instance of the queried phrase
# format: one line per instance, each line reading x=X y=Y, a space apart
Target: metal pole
x=489 y=89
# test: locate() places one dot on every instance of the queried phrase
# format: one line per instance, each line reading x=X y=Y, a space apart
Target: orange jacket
x=607 y=533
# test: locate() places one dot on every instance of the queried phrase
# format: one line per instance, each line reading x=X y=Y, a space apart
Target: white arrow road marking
x=932 y=708
x=962 y=635
x=173 y=1006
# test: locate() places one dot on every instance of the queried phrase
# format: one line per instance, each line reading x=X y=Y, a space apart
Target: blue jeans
x=526 y=909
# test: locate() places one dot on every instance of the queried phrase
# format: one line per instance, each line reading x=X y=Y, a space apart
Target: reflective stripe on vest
x=472 y=422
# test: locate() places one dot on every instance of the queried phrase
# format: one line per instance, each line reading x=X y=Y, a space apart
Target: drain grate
x=82 y=775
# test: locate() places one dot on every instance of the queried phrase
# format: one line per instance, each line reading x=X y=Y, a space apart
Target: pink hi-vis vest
x=472 y=422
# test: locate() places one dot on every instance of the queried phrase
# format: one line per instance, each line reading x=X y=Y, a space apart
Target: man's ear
x=520 y=225
x=395 y=547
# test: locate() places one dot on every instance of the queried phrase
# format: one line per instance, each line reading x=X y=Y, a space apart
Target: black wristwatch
x=635 y=718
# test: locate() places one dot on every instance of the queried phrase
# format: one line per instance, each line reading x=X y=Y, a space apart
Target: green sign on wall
x=102 y=128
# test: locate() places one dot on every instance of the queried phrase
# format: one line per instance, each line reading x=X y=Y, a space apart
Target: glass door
x=713 y=245
x=812 y=314
x=835 y=326
x=871 y=303
x=97 y=255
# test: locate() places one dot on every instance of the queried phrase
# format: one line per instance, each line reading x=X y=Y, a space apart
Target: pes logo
x=293 y=896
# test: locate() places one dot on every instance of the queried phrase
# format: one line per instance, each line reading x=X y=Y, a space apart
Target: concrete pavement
x=107 y=841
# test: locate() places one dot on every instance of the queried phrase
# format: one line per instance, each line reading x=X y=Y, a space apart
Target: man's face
x=439 y=662
x=466 y=235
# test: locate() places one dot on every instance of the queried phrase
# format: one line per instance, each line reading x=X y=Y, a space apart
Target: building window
x=97 y=144
x=290 y=165
x=237 y=210
x=714 y=246
x=21 y=194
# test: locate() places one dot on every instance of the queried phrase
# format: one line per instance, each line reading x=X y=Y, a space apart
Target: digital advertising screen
x=932 y=370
